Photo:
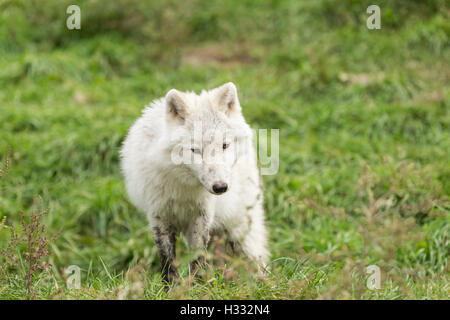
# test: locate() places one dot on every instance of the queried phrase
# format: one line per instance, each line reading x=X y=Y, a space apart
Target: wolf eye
x=225 y=145
x=196 y=150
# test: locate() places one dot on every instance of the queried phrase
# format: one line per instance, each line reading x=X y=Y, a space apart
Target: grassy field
x=364 y=175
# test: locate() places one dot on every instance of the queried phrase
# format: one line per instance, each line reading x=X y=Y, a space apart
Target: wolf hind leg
x=251 y=239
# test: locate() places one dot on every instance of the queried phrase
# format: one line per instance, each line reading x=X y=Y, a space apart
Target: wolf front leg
x=198 y=237
x=165 y=238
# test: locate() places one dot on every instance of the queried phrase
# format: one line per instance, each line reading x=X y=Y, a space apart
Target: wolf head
x=207 y=135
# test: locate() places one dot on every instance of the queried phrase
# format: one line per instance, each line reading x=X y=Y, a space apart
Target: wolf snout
x=220 y=187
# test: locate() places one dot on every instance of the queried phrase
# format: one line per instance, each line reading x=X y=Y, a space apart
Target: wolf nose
x=220 y=187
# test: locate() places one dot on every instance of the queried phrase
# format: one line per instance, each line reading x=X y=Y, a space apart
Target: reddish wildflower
x=32 y=243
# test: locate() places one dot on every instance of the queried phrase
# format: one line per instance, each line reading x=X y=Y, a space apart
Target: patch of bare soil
x=217 y=54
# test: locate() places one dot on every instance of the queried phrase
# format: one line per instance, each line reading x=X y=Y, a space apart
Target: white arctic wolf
x=189 y=164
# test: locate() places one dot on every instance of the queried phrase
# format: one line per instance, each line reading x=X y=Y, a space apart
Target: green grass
x=363 y=115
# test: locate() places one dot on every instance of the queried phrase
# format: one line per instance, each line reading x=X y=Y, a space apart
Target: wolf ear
x=227 y=99
x=177 y=108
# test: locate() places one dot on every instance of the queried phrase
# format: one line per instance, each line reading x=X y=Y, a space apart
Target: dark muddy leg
x=165 y=238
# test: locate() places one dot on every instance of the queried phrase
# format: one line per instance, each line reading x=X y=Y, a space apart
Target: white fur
x=180 y=195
